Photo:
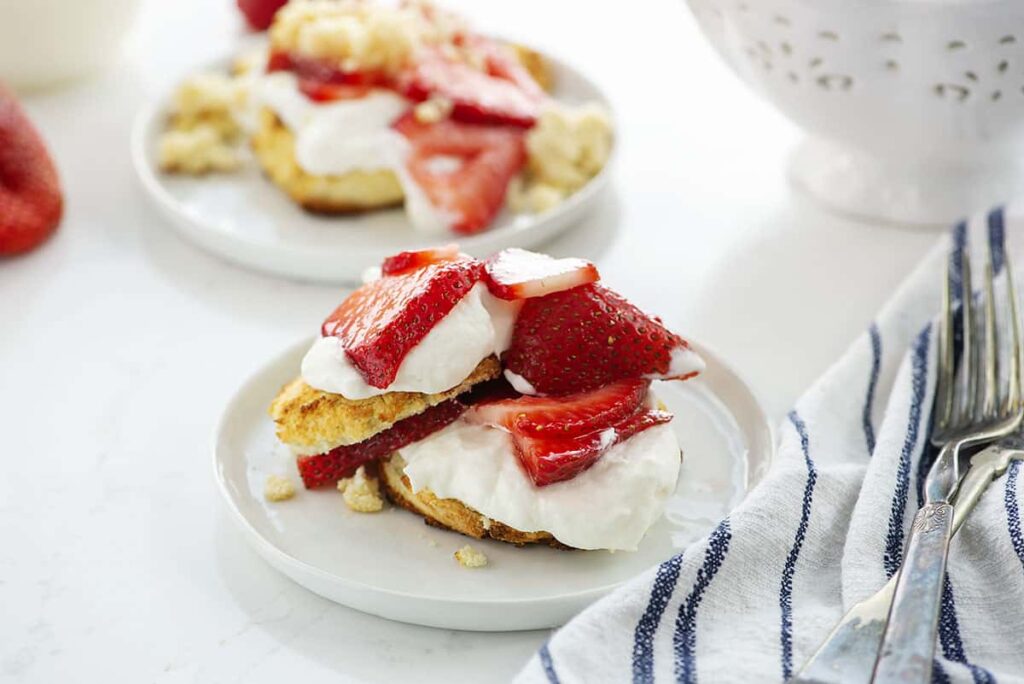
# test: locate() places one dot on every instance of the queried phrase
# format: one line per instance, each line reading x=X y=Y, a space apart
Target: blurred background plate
x=392 y=565
x=245 y=218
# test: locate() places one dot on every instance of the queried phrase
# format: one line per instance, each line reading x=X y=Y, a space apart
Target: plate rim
x=201 y=232
x=267 y=548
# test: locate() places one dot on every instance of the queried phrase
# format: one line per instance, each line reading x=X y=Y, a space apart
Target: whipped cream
x=609 y=506
x=684 y=361
x=478 y=326
x=334 y=138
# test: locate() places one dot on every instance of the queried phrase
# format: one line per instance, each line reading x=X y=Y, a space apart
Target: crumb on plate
x=469 y=557
x=278 y=488
x=361 y=493
x=567 y=147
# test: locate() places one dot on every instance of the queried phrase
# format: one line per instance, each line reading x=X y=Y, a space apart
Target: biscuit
x=313 y=421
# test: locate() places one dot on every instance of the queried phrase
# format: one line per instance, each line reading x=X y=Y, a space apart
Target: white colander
x=914 y=108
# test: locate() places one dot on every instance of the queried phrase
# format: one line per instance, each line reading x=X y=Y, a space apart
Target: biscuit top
x=311 y=421
x=360 y=35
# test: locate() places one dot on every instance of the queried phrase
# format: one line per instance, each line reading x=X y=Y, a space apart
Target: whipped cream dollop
x=334 y=138
x=609 y=506
x=478 y=326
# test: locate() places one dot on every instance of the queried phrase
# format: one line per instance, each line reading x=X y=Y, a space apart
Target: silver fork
x=971 y=410
x=847 y=656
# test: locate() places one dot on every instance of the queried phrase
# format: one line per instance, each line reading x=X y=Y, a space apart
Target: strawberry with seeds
x=589 y=336
x=31 y=204
x=407 y=261
x=328 y=468
x=557 y=439
x=383 y=320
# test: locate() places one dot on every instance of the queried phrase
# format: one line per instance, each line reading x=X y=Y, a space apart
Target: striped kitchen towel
x=824 y=530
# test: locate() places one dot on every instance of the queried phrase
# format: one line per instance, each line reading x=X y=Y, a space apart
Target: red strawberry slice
x=501 y=62
x=589 y=336
x=260 y=13
x=518 y=274
x=569 y=416
x=558 y=438
x=472 y=190
x=381 y=321
x=406 y=261
x=318 y=91
x=476 y=96
x=555 y=459
x=322 y=80
x=328 y=468
x=31 y=204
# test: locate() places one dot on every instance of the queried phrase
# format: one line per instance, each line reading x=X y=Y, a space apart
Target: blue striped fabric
x=897 y=513
x=548 y=664
x=789 y=568
x=869 y=402
x=685 y=638
x=826 y=527
x=643 y=636
x=1012 y=504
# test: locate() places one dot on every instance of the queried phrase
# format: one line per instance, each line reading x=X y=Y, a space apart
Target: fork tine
x=946 y=362
x=1013 y=395
x=989 y=392
x=967 y=390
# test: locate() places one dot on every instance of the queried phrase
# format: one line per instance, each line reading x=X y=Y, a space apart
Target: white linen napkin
x=826 y=529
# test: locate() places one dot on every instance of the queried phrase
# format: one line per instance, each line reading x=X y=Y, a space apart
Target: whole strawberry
x=260 y=13
x=30 y=199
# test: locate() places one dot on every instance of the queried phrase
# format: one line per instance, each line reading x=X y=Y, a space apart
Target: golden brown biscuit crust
x=315 y=422
x=353 y=192
x=451 y=514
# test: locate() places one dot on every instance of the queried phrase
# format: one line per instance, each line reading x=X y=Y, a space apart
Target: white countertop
x=121 y=343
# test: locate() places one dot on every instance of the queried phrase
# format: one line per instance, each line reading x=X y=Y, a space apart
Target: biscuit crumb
x=433 y=110
x=203 y=130
x=196 y=151
x=278 y=488
x=469 y=557
x=361 y=493
x=567 y=147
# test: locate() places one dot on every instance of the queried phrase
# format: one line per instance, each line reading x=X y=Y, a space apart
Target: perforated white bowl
x=915 y=108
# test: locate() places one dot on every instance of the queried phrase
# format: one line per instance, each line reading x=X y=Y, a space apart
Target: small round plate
x=392 y=565
x=245 y=218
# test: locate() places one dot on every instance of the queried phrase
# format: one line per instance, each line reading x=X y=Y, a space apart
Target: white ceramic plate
x=245 y=218
x=392 y=565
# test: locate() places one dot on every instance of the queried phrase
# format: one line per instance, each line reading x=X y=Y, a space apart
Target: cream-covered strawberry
x=463 y=169
x=557 y=438
x=380 y=323
x=518 y=274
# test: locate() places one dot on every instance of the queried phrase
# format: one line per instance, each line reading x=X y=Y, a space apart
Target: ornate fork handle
x=909 y=642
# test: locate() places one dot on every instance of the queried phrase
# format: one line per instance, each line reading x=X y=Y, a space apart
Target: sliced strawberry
x=260 y=13
x=381 y=321
x=476 y=96
x=502 y=63
x=486 y=159
x=518 y=274
x=328 y=468
x=550 y=459
x=318 y=91
x=31 y=204
x=406 y=261
x=322 y=81
x=589 y=336
x=568 y=416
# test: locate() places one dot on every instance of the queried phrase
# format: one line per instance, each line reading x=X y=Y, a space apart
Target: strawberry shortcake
x=508 y=398
x=365 y=105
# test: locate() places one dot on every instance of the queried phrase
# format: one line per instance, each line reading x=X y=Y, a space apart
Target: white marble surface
x=120 y=344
